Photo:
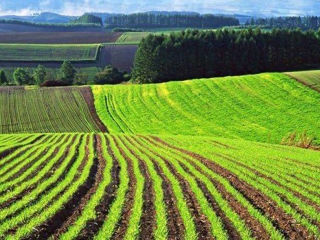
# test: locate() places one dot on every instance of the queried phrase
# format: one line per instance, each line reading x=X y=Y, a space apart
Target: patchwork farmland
x=196 y=159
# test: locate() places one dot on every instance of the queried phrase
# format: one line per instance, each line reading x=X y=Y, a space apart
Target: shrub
x=81 y=79
x=39 y=74
x=52 y=83
x=22 y=77
x=109 y=75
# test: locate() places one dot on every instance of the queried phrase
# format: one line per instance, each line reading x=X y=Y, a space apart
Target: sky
x=78 y=7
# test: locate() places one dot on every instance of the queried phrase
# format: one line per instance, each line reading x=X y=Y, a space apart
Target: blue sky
x=77 y=7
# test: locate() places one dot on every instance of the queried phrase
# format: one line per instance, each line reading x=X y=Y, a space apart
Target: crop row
x=263 y=107
x=47 y=110
x=48 y=52
x=96 y=186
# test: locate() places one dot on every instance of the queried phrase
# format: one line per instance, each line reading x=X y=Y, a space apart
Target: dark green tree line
x=304 y=23
x=149 y=20
x=195 y=54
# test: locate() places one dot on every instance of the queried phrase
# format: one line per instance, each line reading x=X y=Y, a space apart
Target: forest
x=303 y=23
x=149 y=20
x=201 y=54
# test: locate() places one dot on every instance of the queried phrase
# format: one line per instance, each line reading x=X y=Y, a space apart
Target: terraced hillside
x=48 y=110
x=85 y=186
x=308 y=78
x=263 y=107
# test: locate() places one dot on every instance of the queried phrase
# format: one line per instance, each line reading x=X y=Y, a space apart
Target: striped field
x=87 y=186
x=48 y=52
x=189 y=160
x=263 y=107
x=308 y=78
x=47 y=110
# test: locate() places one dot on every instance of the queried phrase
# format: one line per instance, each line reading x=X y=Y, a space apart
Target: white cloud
x=19 y=12
x=78 y=7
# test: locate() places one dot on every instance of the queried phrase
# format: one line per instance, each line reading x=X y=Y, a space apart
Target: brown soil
x=147 y=222
x=48 y=228
x=202 y=223
x=20 y=163
x=257 y=229
x=175 y=224
x=30 y=188
x=13 y=149
x=95 y=177
x=93 y=226
x=88 y=96
x=27 y=166
x=295 y=193
x=59 y=37
x=228 y=225
x=127 y=210
x=281 y=220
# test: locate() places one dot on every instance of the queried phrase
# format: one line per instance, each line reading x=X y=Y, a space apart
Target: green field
x=309 y=78
x=136 y=37
x=264 y=107
x=45 y=110
x=48 y=52
x=162 y=181
x=189 y=160
x=132 y=37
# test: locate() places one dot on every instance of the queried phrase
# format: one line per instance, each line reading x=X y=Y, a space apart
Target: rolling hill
x=263 y=107
x=176 y=164
x=308 y=78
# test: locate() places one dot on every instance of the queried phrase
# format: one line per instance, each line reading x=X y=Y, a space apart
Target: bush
x=52 y=83
x=22 y=77
x=39 y=74
x=81 y=79
x=109 y=75
x=126 y=30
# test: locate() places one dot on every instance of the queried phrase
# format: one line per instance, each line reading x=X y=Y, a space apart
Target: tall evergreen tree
x=68 y=73
x=3 y=78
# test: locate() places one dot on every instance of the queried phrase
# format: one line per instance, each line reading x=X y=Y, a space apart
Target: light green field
x=136 y=37
x=263 y=107
x=309 y=78
x=132 y=37
x=48 y=52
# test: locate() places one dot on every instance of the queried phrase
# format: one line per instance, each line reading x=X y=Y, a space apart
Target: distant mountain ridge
x=53 y=18
x=44 y=17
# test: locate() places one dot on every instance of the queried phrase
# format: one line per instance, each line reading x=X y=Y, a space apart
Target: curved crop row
x=264 y=107
x=48 y=111
x=96 y=186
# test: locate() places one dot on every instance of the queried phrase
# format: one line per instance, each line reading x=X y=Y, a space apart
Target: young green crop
x=264 y=107
x=112 y=219
x=161 y=230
